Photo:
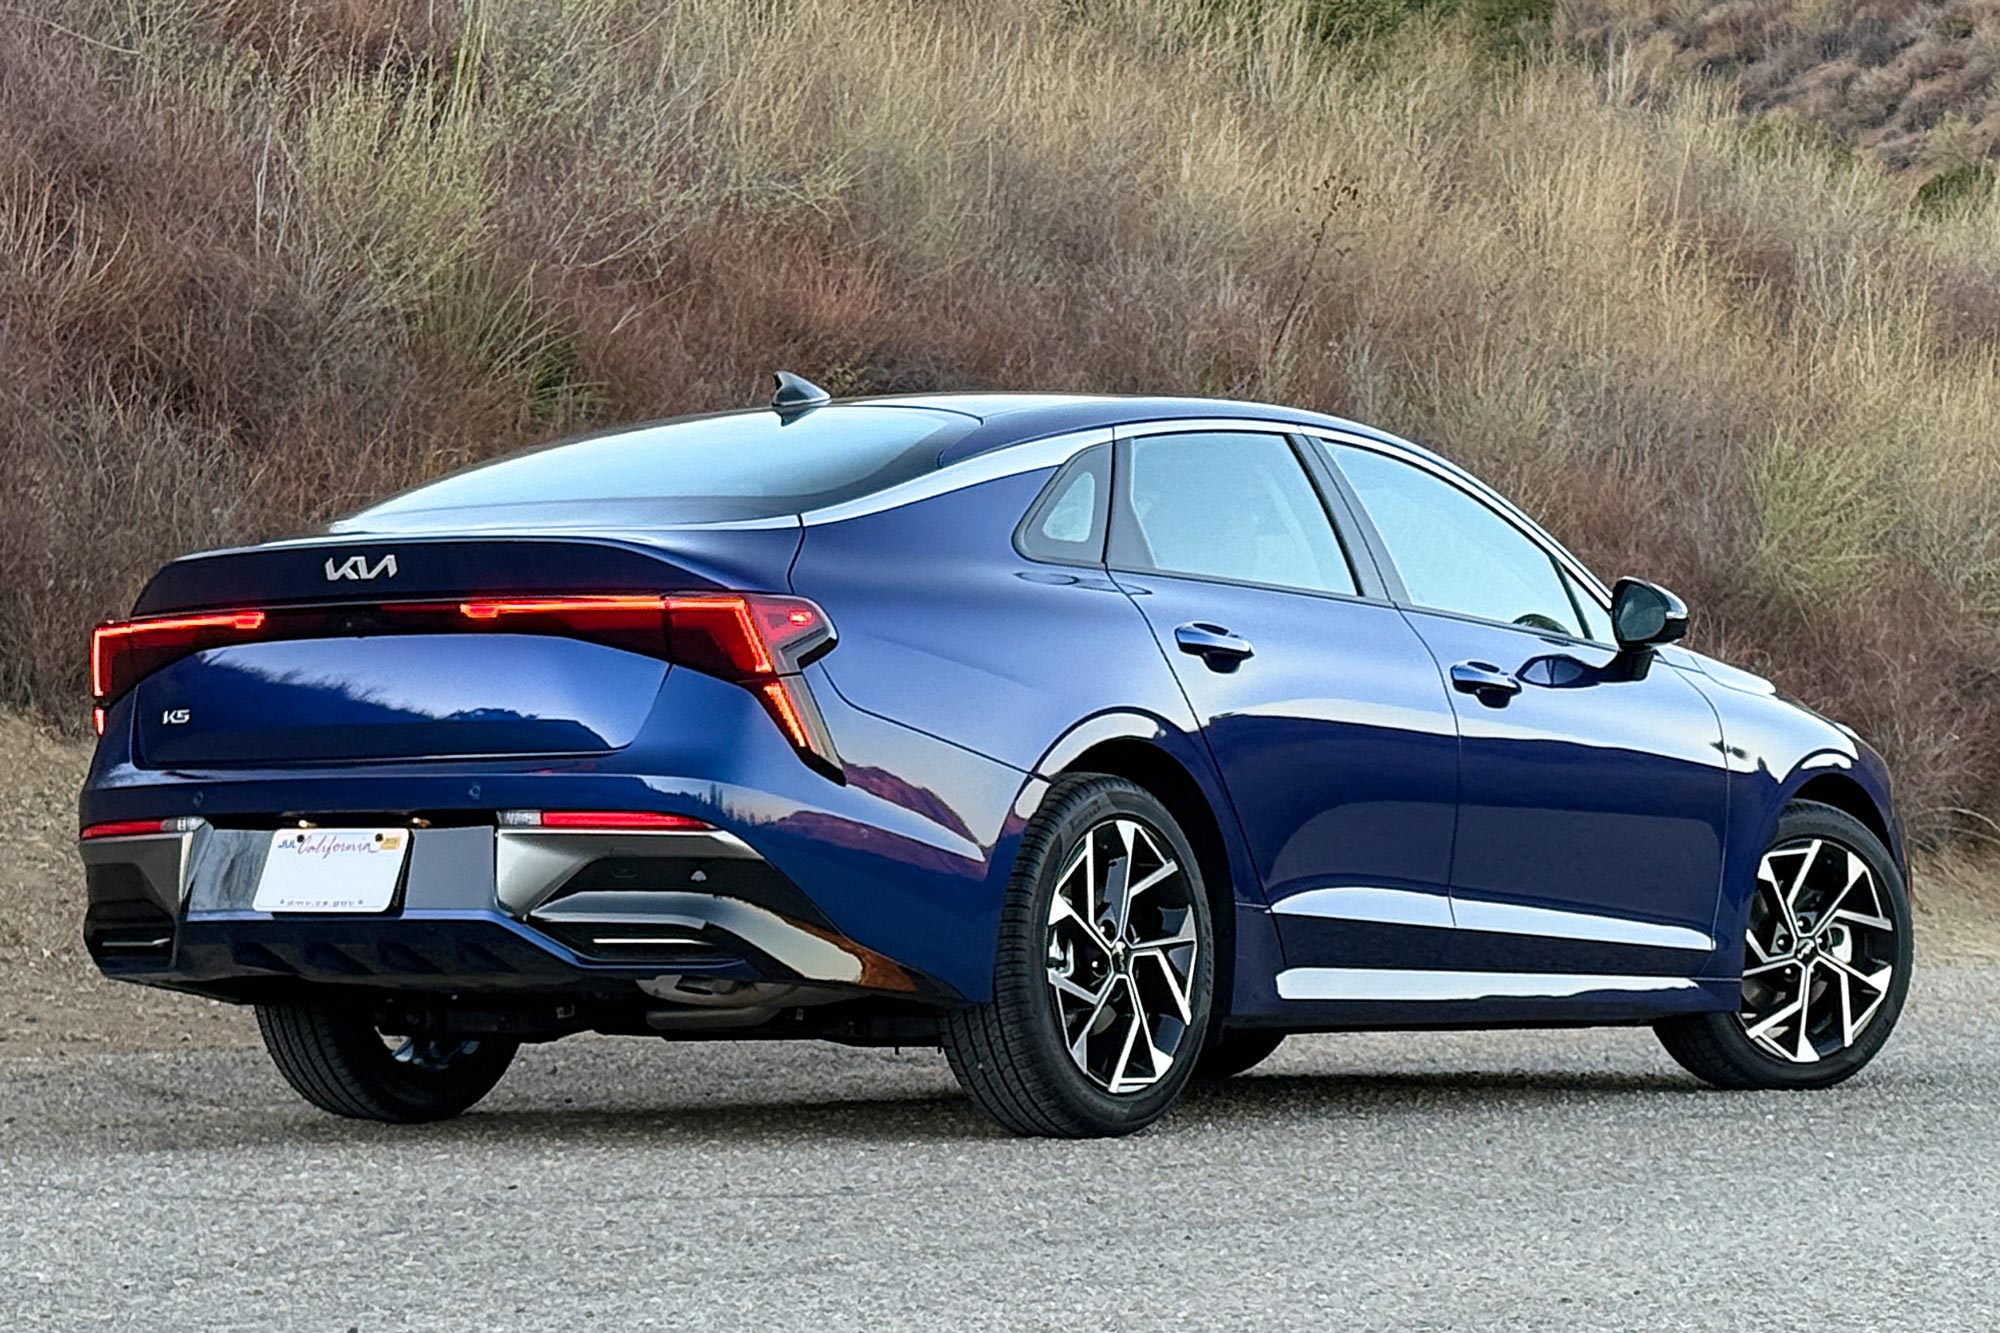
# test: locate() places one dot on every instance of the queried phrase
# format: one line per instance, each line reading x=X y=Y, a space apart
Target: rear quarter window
x=1066 y=523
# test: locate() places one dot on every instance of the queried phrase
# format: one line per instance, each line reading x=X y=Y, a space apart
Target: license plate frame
x=340 y=871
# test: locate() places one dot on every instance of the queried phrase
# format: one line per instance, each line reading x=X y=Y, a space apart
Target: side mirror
x=1644 y=614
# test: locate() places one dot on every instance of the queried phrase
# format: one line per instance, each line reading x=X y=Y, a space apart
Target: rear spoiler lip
x=433 y=565
x=338 y=537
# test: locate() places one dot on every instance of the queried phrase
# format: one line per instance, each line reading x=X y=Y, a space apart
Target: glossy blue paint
x=1337 y=775
x=966 y=679
x=393 y=696
x=1584 y=790
x=936 y=608
x=1773 y=749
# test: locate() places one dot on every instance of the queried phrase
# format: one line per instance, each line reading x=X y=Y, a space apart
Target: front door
x=1592 y=796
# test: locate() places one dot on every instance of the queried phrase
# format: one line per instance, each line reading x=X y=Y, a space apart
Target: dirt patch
x=53 y=1002
x=1957 y=900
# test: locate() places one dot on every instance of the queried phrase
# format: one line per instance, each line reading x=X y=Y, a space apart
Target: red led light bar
x=637 y=820
x=124 y=828
x=492 y=608
x=119 y=648
x=140 y=828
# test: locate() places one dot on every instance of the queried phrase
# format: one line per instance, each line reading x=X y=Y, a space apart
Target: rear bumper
x=604 y=916
x=908 y=858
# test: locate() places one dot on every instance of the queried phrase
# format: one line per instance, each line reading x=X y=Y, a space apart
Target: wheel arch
x=1168 y=781
x=1173 y=786
x=1848 y=796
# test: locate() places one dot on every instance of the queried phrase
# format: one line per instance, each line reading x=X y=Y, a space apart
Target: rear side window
x=1066 y=524
x=741 y=465
x=1226 y=505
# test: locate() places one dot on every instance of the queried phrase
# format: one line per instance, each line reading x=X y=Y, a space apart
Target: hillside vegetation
x=1910 y=82
x=261 y=262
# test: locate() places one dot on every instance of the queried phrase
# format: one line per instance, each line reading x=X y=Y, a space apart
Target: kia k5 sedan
x=1100 y=741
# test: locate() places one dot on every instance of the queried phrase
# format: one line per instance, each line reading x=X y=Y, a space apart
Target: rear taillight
x=608 y=821
x=123 y=652
x=761 y=642
x=140 y=828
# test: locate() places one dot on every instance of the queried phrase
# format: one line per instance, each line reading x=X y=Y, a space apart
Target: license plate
x=332 y=870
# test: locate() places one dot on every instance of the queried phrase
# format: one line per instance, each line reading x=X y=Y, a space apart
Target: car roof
x=1016 y=418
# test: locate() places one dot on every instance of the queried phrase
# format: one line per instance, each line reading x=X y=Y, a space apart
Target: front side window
x=1226 y=505
x=1596 y=620
x=1454 y=552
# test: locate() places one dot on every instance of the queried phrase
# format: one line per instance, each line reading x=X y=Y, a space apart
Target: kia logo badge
x=357 y=567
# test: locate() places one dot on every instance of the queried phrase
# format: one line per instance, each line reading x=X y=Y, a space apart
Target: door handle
x=1213 y=644
x=1493 y=686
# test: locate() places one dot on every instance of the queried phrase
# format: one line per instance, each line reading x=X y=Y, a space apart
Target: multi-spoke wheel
x=1121 y=955
x=1820 y=955
x=1102 y=980
x=1826 y=962
x=340 y=1060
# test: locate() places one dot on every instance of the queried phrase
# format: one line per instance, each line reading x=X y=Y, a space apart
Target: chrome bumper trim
x=161 y=861
x=529 y=864
x=810 y=955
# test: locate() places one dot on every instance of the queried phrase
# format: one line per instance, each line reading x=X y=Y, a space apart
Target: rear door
x=1592 y=802
x=1327 y=718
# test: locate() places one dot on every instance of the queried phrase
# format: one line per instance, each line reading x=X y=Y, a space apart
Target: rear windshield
x=742 y=465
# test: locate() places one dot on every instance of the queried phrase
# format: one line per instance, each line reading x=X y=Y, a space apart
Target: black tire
x=1717 y=1047
x=1228 y=1054
x=336 y=1059
x=1013 y=1056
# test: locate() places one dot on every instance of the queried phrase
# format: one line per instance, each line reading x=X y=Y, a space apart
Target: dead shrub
x=264 y=261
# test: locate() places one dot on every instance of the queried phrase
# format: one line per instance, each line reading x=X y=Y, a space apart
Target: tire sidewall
x=334 y=1056
x=1073 y=813
x=1807 y=819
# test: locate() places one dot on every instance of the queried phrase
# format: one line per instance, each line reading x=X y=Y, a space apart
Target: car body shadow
x=619 y=1113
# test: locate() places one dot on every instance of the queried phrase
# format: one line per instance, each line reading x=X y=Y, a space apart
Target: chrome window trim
x=1007 y=461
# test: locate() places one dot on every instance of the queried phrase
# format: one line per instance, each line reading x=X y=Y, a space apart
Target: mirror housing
x=1644 y=615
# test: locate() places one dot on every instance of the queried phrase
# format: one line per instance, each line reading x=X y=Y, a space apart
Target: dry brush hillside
x=263 y=260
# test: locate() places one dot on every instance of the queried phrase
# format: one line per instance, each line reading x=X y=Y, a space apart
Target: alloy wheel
x=1121 y=955
x=1820 y=955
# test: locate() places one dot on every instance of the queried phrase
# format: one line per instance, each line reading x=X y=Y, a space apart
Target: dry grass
x=1909 y=81
x=263 y=261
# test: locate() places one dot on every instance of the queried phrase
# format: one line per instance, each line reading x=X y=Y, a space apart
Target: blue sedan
x=1100 y=741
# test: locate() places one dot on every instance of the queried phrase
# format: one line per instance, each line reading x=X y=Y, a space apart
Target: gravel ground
x=1570 y=1180
x=155 y=1172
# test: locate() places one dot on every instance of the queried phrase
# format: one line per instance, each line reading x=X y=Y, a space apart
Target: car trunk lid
x=381 y=651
